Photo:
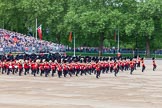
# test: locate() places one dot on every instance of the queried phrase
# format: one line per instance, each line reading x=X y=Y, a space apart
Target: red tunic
x=131 y=64
x=59 y=68
x=34 y=66
x=53 y=66
x=20 y=66
x=77 y=66
x=6 y=65
x=97 y=68
x=26 y=66
x=41 y=66
x=115 y=66
x=143 y=65
x=10 y=66
x=46 y=66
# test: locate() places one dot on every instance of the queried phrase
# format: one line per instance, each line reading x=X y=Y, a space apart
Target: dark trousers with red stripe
x=20 y=71
x=115 y=72
x=65 y=72
x=98 y=72
x=53 y=72
x=26 y=71
x=59 y=74
x=143 y=68
x=34 y=72
x=154 y=67
x=132 y=69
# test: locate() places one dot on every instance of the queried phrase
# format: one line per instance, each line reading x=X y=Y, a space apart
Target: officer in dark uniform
x=154 y=64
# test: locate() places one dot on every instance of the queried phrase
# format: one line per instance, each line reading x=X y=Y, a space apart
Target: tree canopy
x=93 y=22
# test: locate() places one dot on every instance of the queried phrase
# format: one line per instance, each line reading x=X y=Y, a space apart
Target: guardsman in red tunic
x=106 y=66
x=77 y=68
x=41 y=68
x=37 y=70
x=138 y=61
x=20 y=66
x=26 y=67
x=47 y=69
x=72 y=66
x=143 y=64
x=85 y=68
x=9 y=67
x=81 y=69
x=134 y=62
x=59 y=70
x=33 y=68
x=53 y=68
x=126 y=64
x=94 y=67
x=111 y=65
x=131 y=67
x=115 y=68
x=90 y=68
x=6 y=66
x=102 y=67
x=122 y=65
x=154 y=64
x=65 y=69
x=119 y=65
x=98 y=70
x=70 y=69
x=13 y=67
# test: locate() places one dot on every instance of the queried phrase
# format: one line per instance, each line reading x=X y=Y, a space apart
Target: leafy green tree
x=93 y=22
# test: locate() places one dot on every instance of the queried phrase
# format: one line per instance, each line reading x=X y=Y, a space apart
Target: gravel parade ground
x=140 y=90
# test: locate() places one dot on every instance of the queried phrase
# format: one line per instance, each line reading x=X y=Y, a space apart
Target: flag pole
x=74 y=44
x=118 y=39
x=36 y=29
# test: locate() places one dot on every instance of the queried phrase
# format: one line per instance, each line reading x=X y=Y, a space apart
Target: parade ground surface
x=140 y=90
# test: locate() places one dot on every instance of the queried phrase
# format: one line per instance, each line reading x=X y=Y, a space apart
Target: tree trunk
x=101 y=44
x=147 y=47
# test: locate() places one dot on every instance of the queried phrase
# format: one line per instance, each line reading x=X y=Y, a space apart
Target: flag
x=39 y=29
x=115 y=36
x=70 y=37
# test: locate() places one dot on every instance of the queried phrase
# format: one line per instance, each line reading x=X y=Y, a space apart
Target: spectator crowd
x=17 y=42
